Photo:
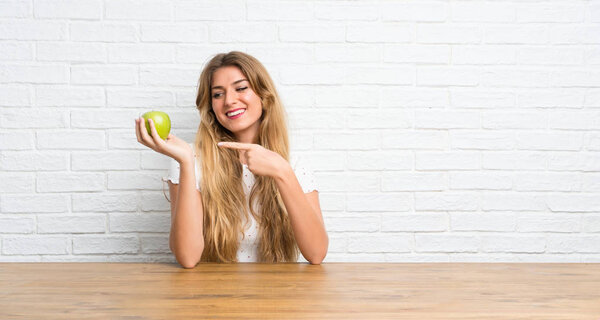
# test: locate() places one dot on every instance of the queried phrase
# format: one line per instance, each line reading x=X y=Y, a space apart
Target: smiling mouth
x=235 y=114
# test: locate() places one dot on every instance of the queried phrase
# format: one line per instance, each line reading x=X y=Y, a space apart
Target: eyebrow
x=220 y=87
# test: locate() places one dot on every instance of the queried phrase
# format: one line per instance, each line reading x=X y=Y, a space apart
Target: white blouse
x=248 y=250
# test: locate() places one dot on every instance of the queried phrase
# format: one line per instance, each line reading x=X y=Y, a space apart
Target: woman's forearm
x=187 y=237
x=309 y=231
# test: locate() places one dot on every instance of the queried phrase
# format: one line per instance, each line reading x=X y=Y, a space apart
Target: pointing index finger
x=235 y=145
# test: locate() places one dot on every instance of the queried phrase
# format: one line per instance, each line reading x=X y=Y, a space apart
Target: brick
x=101 y=161
x=105 y=244
x=314 y=120
x=590 y=182
x=573 y=243
x=381 y=243
x=17 y=225
x=478 y=11
x=279 y=11
x=167 y=76
x=484 y=55
x=68 y=9
x=34 y=161
x=514 y=120
x=547 y=181
x=481 y=98
x=103 y=32
x=166 y=33
x=513 y=243
x=34 y=73
x=414 y=11
x=15 y=96
x=348 y=182
x=16 y=9
x=446 y=243
x=480 y=181
x=381 y=32
x=554 y=13
x=378 y=119
x=18 y=140
x=156 y=201
x=70 y=140
x=155 y=244
x=147 y=222
x=138 y=10
x=247 y=32
x=380 y=160
x=232 y=10
x=17 y=182
x=449 y=33
x=134 y=181
x=513 y=34
x=566 y=141
x=585 y=202
x=59 y=96
x=379 y=202
x=345 y=53
x=395 y=97
x=436 y=201
x=346 y=141
x=33 y=30
x=21 y=118
x=141 y=53
x=487 y=221
x=414 y=222
x=18 y=51
x=104 y=75
x=104 y=119
x=34 y=203
x=514 y=160
x=517 y=201
x=482 y=140
x=414 y=181
x=342 y=97
x=321 y=32
x=414 y=139
x=429 y=54
x=104 y=202
x=36 y=245
x=74 y=224
x=352 y=224
x=435 y=119
x=515 y=77
x=574 y=120
x=454 y=160
x=69 y=182
x=448 y=76
x=548 y=222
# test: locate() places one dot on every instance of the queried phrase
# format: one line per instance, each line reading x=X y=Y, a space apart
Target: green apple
x=162 y=123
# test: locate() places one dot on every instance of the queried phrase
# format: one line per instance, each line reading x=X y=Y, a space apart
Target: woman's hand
x=260 y=161
x=172 y=147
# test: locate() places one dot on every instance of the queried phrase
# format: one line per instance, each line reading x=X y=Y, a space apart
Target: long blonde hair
x=223 y=197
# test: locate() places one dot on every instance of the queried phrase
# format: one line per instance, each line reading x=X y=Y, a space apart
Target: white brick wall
x=438 y=130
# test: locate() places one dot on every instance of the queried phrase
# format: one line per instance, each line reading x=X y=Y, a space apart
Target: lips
x=236 y=113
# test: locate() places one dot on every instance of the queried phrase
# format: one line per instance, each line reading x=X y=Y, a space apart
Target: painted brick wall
x=437 y=130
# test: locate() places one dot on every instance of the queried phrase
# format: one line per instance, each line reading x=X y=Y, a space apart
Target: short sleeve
x=173 y=173
x=304 y=174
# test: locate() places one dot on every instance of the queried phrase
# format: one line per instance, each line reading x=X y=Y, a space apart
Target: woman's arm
x=305 y=215
x=186 y=238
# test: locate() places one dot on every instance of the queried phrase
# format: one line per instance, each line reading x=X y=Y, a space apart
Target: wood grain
x=300 y=291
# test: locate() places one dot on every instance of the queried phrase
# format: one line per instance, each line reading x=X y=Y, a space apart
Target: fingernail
x=220 y=144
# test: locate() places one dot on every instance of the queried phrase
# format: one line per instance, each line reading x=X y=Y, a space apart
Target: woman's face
x=230 y=91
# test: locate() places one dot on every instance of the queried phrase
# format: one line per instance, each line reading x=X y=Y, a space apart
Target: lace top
x=248 y=250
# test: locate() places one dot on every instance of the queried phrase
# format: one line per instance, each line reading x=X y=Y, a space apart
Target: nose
x=230 y=98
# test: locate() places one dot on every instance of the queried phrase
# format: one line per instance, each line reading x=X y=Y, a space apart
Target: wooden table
x=300 y=291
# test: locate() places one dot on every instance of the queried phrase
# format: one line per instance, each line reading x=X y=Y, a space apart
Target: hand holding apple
x=161 y=120
x=172 y=146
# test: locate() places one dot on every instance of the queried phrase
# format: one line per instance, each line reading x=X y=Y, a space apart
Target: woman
x=240 y=156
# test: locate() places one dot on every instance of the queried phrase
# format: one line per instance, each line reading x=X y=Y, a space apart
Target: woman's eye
x=216 y=95
x=244 y=88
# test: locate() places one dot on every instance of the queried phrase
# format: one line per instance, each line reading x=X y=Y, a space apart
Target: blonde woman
x=240 y=157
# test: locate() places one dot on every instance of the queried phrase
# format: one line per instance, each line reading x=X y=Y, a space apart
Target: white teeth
x=235 y=113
